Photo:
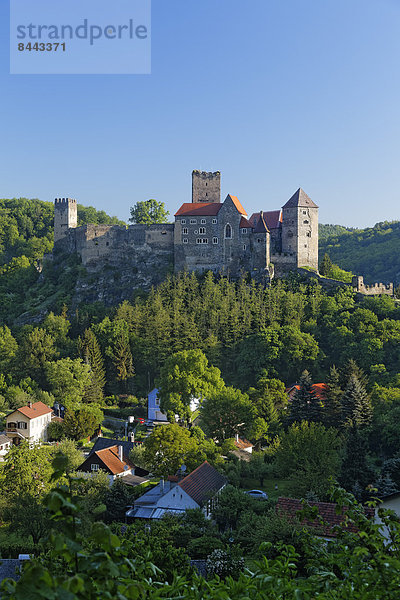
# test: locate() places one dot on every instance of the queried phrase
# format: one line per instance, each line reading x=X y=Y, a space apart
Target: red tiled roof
x=236 y=202
x=110 y=458
x=318 y=388
x=202 y=483
x=37 y=409
x=244 y=223
x=201 y=209
x=300 y=198
x=272 y=218
x=242 y=444
x=289 y=507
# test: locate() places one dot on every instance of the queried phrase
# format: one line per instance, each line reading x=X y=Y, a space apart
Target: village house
x=5 y=445
x=197 y=490
x=115 y=462
x=29 y=423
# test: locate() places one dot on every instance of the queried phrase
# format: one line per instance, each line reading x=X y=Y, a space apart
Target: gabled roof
x=202 y=483
x=289 y=507
x=101 y=443
x=201 y=209
x=261 y=226
x=236 y=202
x=37 y=409
x=300 y=198
x=110 y=458
x=319 y=389
x=4 y=439
x=243 y=444
x=272 y=218
x=245 y=224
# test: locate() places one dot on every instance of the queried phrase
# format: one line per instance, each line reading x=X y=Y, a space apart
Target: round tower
x=65 y=217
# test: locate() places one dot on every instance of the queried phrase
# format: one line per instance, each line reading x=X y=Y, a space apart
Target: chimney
x=237 y=437
x=162 y=484
x=121 y=453
x=29 y=404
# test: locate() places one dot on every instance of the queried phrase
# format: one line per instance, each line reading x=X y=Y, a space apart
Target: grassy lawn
x=269 y=486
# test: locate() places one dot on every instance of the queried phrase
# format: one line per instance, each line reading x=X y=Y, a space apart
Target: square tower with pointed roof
x=300 y=230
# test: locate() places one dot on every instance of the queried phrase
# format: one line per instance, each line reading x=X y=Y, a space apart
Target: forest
x=372 y=252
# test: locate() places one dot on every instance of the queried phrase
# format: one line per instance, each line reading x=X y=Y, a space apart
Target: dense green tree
x=168 y=448
x=185 y=376
x=35 y=351
x=226 y=413
x=355 y=473
x=325 y=267
x=122 y=359
x=82 y=422
x=68 y=379
x=26 y=472
x=149 y=212
x=308 y=456
x=331 y=413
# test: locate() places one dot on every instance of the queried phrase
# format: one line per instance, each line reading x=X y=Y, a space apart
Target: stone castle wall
x=376 y=289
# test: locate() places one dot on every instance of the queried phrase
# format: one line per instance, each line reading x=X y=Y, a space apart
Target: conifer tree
x=326 y=265
x=355 y=472
x=90 y=352
x=355 y=404
x=122 y=359
x=331 y=413
x=305 y=405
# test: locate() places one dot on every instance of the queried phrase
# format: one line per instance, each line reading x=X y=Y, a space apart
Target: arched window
x=228 y=231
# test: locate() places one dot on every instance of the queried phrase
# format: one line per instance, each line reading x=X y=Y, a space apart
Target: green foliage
x=226 y=413
x=149 y=212
x=185 y=376
x=82 y=422
x=68 y=380
x=371 y=252
x=309 y=456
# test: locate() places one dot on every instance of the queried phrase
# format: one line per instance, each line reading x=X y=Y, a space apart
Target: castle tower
x=206 y=187
x=300 y=229
x=65 y=217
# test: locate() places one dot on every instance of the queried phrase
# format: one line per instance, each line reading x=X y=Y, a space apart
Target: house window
x=193 y=221
x=203 y=221
x=185 y=240
x=183 y=221
x=215 y=240
x=228 y=232
x=184 y=230
x=94 y=467
x=214 y=221
x=202 y=230
x=22 y=425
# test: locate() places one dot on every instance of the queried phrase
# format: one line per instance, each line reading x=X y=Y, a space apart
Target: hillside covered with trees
x=373 y=252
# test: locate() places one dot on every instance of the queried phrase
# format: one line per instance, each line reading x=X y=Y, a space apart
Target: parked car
x=258 y=494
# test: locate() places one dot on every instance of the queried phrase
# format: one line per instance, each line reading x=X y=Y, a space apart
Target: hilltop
x=373 y=252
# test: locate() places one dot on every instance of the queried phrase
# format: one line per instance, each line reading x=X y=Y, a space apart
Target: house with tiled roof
x=114 y=460
x=320 y=390
x=29 y=423
x=5 y=445
x=328 y=519
x=199 y=489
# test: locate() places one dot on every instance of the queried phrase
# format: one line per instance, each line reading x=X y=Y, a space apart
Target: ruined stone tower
x=300 y=229
x=65 y=217
x=206 y=187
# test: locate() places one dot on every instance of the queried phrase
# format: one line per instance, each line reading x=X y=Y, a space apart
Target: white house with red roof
x=29 y=423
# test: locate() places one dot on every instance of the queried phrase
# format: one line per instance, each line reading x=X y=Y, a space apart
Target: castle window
x=304 y=212
x=244 y=230
x=202 y=230
x=184 y=230
x=214 y=221
x=259 y=240
x=306 y=222
x=290 y=234
x=183 y=221
x=228 y=231
x=185 y=240
x=203 y=221
x=244 y=246
x=198 y=241
x=193 y=221
x=305 y=245
x=206 y=193
x=107 y=243
x=308 y=233
x=215 y=240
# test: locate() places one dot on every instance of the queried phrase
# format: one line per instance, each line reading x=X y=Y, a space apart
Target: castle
x=207 y=235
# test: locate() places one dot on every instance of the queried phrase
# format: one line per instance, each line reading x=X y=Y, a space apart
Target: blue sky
x=275 y=94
